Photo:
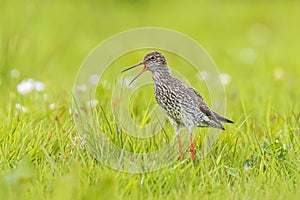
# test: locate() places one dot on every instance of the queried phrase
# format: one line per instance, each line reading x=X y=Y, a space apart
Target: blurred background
x=255 y=42
x=255 y=45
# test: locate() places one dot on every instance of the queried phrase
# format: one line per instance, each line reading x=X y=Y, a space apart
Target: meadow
x=44 y=43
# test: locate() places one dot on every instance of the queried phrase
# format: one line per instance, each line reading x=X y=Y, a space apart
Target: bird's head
x=153 y=61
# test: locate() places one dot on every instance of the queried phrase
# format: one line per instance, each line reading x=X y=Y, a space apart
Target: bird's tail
x=222 y=119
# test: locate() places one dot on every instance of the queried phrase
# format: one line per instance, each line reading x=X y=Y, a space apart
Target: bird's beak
x=136 y=65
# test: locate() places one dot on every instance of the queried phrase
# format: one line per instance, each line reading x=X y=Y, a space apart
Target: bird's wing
x=205 y=109
x=212 y=117
x=202 y=105
x=222 y=119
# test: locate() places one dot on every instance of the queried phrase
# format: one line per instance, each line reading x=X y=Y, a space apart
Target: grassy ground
x=256 y=43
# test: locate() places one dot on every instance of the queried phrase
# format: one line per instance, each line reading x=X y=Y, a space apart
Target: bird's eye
x=152 y=58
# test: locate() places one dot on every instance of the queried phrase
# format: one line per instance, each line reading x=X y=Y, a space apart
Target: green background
x=255 y=42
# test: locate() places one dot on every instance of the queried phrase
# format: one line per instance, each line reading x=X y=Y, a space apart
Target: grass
x=42 y=155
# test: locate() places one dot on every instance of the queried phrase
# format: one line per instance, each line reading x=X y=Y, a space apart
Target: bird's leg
x=192 y=146
x=180 y=146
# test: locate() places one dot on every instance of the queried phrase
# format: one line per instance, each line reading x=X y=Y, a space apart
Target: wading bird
x=183 y=105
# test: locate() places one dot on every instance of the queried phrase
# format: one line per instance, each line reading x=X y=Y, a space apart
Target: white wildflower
x=52 y=106
x=21 y=108
x=93 y=79
x=225 y=78
x=73 y=111
x=205 y=75
x=39 y=86
x=284 y=146
x=81 y=88
x=92 y=103
x=26 y=86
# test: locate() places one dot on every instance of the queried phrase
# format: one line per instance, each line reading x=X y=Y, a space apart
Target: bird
x=183 y=105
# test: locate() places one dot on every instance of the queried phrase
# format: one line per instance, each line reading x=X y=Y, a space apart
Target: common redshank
x=183 y=105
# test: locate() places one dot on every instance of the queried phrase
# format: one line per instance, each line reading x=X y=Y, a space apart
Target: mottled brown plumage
x=183 y=105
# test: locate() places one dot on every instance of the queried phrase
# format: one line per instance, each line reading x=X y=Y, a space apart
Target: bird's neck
x=161 y=74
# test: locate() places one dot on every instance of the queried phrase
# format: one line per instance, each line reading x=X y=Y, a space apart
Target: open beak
x=140 y=73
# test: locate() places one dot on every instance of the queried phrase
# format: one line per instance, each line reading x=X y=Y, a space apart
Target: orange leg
x=192 y=147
